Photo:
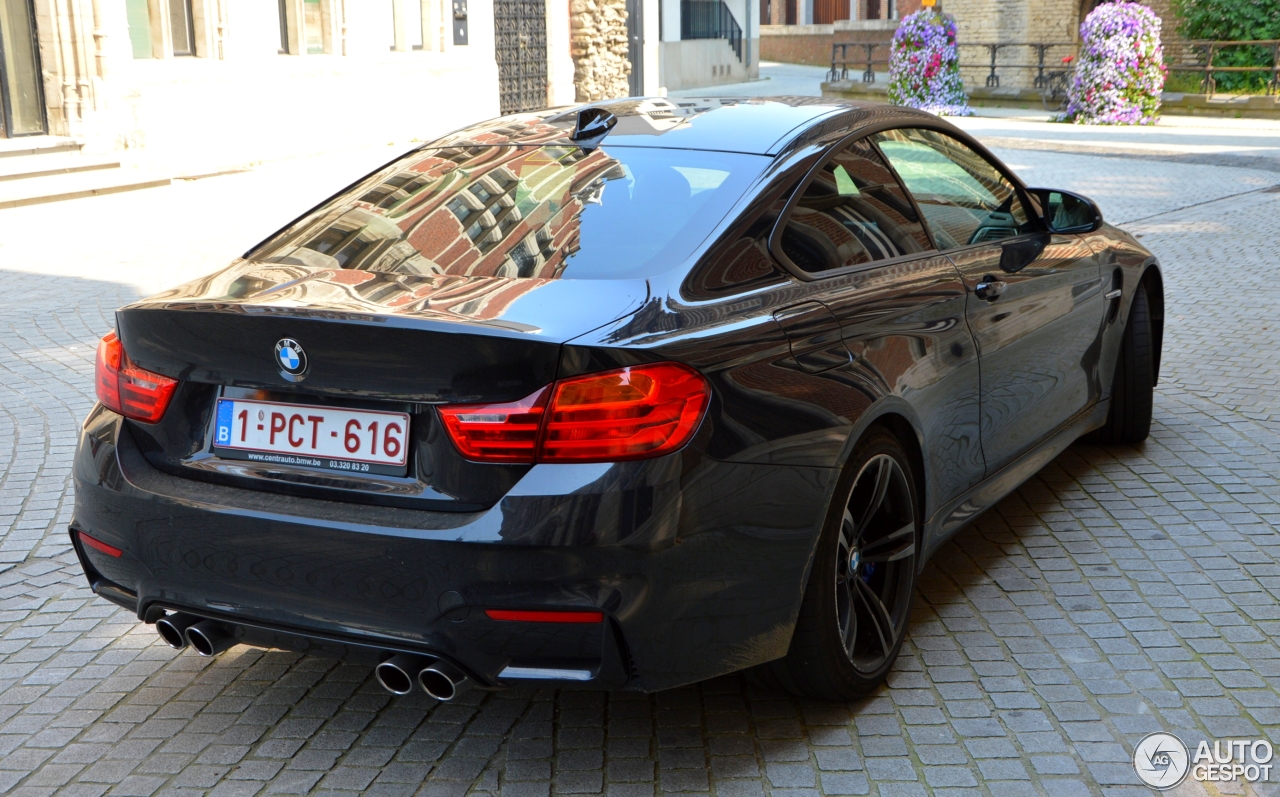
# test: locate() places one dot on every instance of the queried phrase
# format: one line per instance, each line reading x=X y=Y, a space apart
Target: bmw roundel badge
x=290 y=356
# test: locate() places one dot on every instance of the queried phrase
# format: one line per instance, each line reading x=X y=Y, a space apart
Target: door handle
x=990 y=288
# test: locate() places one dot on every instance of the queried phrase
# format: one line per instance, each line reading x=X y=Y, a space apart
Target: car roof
x=756 y=125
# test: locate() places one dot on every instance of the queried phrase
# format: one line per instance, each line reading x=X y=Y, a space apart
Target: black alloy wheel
x=855 y=611
x=875 y=563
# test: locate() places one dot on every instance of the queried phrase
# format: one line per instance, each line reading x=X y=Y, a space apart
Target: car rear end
x=358 y=442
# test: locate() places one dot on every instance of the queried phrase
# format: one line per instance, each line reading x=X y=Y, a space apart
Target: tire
x=853 y=617
x=1133 y=388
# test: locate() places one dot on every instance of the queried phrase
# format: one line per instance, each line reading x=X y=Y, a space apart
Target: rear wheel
x=853 y=618
x=1133 y=388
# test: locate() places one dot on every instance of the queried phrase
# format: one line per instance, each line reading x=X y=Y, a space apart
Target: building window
x=414 y=25
x=410 y=25
x=284 y=27
x=313 y=26
x=182 y=27
x=881 y=9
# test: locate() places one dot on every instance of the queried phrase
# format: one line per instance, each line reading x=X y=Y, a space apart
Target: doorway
x=21 y=100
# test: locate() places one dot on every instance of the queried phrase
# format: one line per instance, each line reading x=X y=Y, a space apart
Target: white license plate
x=358 y=441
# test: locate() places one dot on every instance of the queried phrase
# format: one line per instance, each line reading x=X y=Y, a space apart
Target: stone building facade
x=225 y=82
x=1020 y=23
x=602 y=66
x=1013 y=24
x=200 y=85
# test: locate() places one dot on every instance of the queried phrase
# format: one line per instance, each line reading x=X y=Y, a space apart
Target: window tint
x=964 y=198
x=509 y=211
x=853 y=212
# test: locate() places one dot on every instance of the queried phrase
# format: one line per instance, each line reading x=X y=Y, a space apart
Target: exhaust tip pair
x=206 y=637
x=437 y=678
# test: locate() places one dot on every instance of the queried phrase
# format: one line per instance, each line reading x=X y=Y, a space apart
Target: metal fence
x=710 y=19
x=1047 y=59
x=1197 y=57
x=1053 y=62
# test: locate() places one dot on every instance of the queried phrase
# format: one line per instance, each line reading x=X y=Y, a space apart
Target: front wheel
x=853 y=618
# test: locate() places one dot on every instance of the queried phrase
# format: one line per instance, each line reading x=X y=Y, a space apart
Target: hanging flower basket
x=924 y=65
x=1120 y=72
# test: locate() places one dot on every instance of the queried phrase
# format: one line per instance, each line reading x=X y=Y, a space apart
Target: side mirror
x=1065 y=212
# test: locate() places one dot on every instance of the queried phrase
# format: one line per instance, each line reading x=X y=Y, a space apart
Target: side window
x=852 y=212
x=963 y=197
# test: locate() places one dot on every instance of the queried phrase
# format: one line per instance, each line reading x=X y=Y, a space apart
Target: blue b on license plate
x=334 y=438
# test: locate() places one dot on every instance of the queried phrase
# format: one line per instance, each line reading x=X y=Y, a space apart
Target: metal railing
x=1198 y=56
x=870 y=59
x=710 y=19
x=1050 y=61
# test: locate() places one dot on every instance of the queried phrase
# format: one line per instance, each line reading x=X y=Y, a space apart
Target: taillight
x=125 y=388
x=630 y=413
x=497 y=432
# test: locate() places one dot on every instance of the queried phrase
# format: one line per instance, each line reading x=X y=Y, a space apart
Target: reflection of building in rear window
x=853 y=212
x=513 y=211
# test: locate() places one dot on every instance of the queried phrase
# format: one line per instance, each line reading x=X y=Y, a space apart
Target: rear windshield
x=530 y=211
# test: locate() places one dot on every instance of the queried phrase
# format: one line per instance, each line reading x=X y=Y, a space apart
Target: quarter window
x=963 y=197
x=852 y=212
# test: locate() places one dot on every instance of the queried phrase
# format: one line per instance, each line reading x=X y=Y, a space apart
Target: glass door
x=21 y=102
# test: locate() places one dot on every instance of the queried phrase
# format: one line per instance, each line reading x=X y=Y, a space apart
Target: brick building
x=802 y=31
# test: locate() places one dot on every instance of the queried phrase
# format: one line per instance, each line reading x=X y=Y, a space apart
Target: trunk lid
x=373 y=341
x=434 y=339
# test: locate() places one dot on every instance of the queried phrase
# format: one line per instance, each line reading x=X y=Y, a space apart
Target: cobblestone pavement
x=1119 y=592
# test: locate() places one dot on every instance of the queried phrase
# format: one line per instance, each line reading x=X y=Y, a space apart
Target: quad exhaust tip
x=396 y=673
x=439 y=679
x=209 y=638
x=442 y=680
x=172 y=629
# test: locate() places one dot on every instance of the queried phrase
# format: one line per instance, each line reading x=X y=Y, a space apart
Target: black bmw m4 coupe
x=622 y=396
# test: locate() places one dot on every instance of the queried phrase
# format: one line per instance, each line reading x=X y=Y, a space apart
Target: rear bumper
x=698 y=565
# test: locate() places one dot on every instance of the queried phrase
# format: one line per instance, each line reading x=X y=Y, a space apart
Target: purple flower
x=924 y=65
x=1120 y=72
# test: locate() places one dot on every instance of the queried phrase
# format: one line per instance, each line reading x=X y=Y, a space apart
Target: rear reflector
x=630 y=413
x=125 y=388
x=545 y=617
x=99 y=545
